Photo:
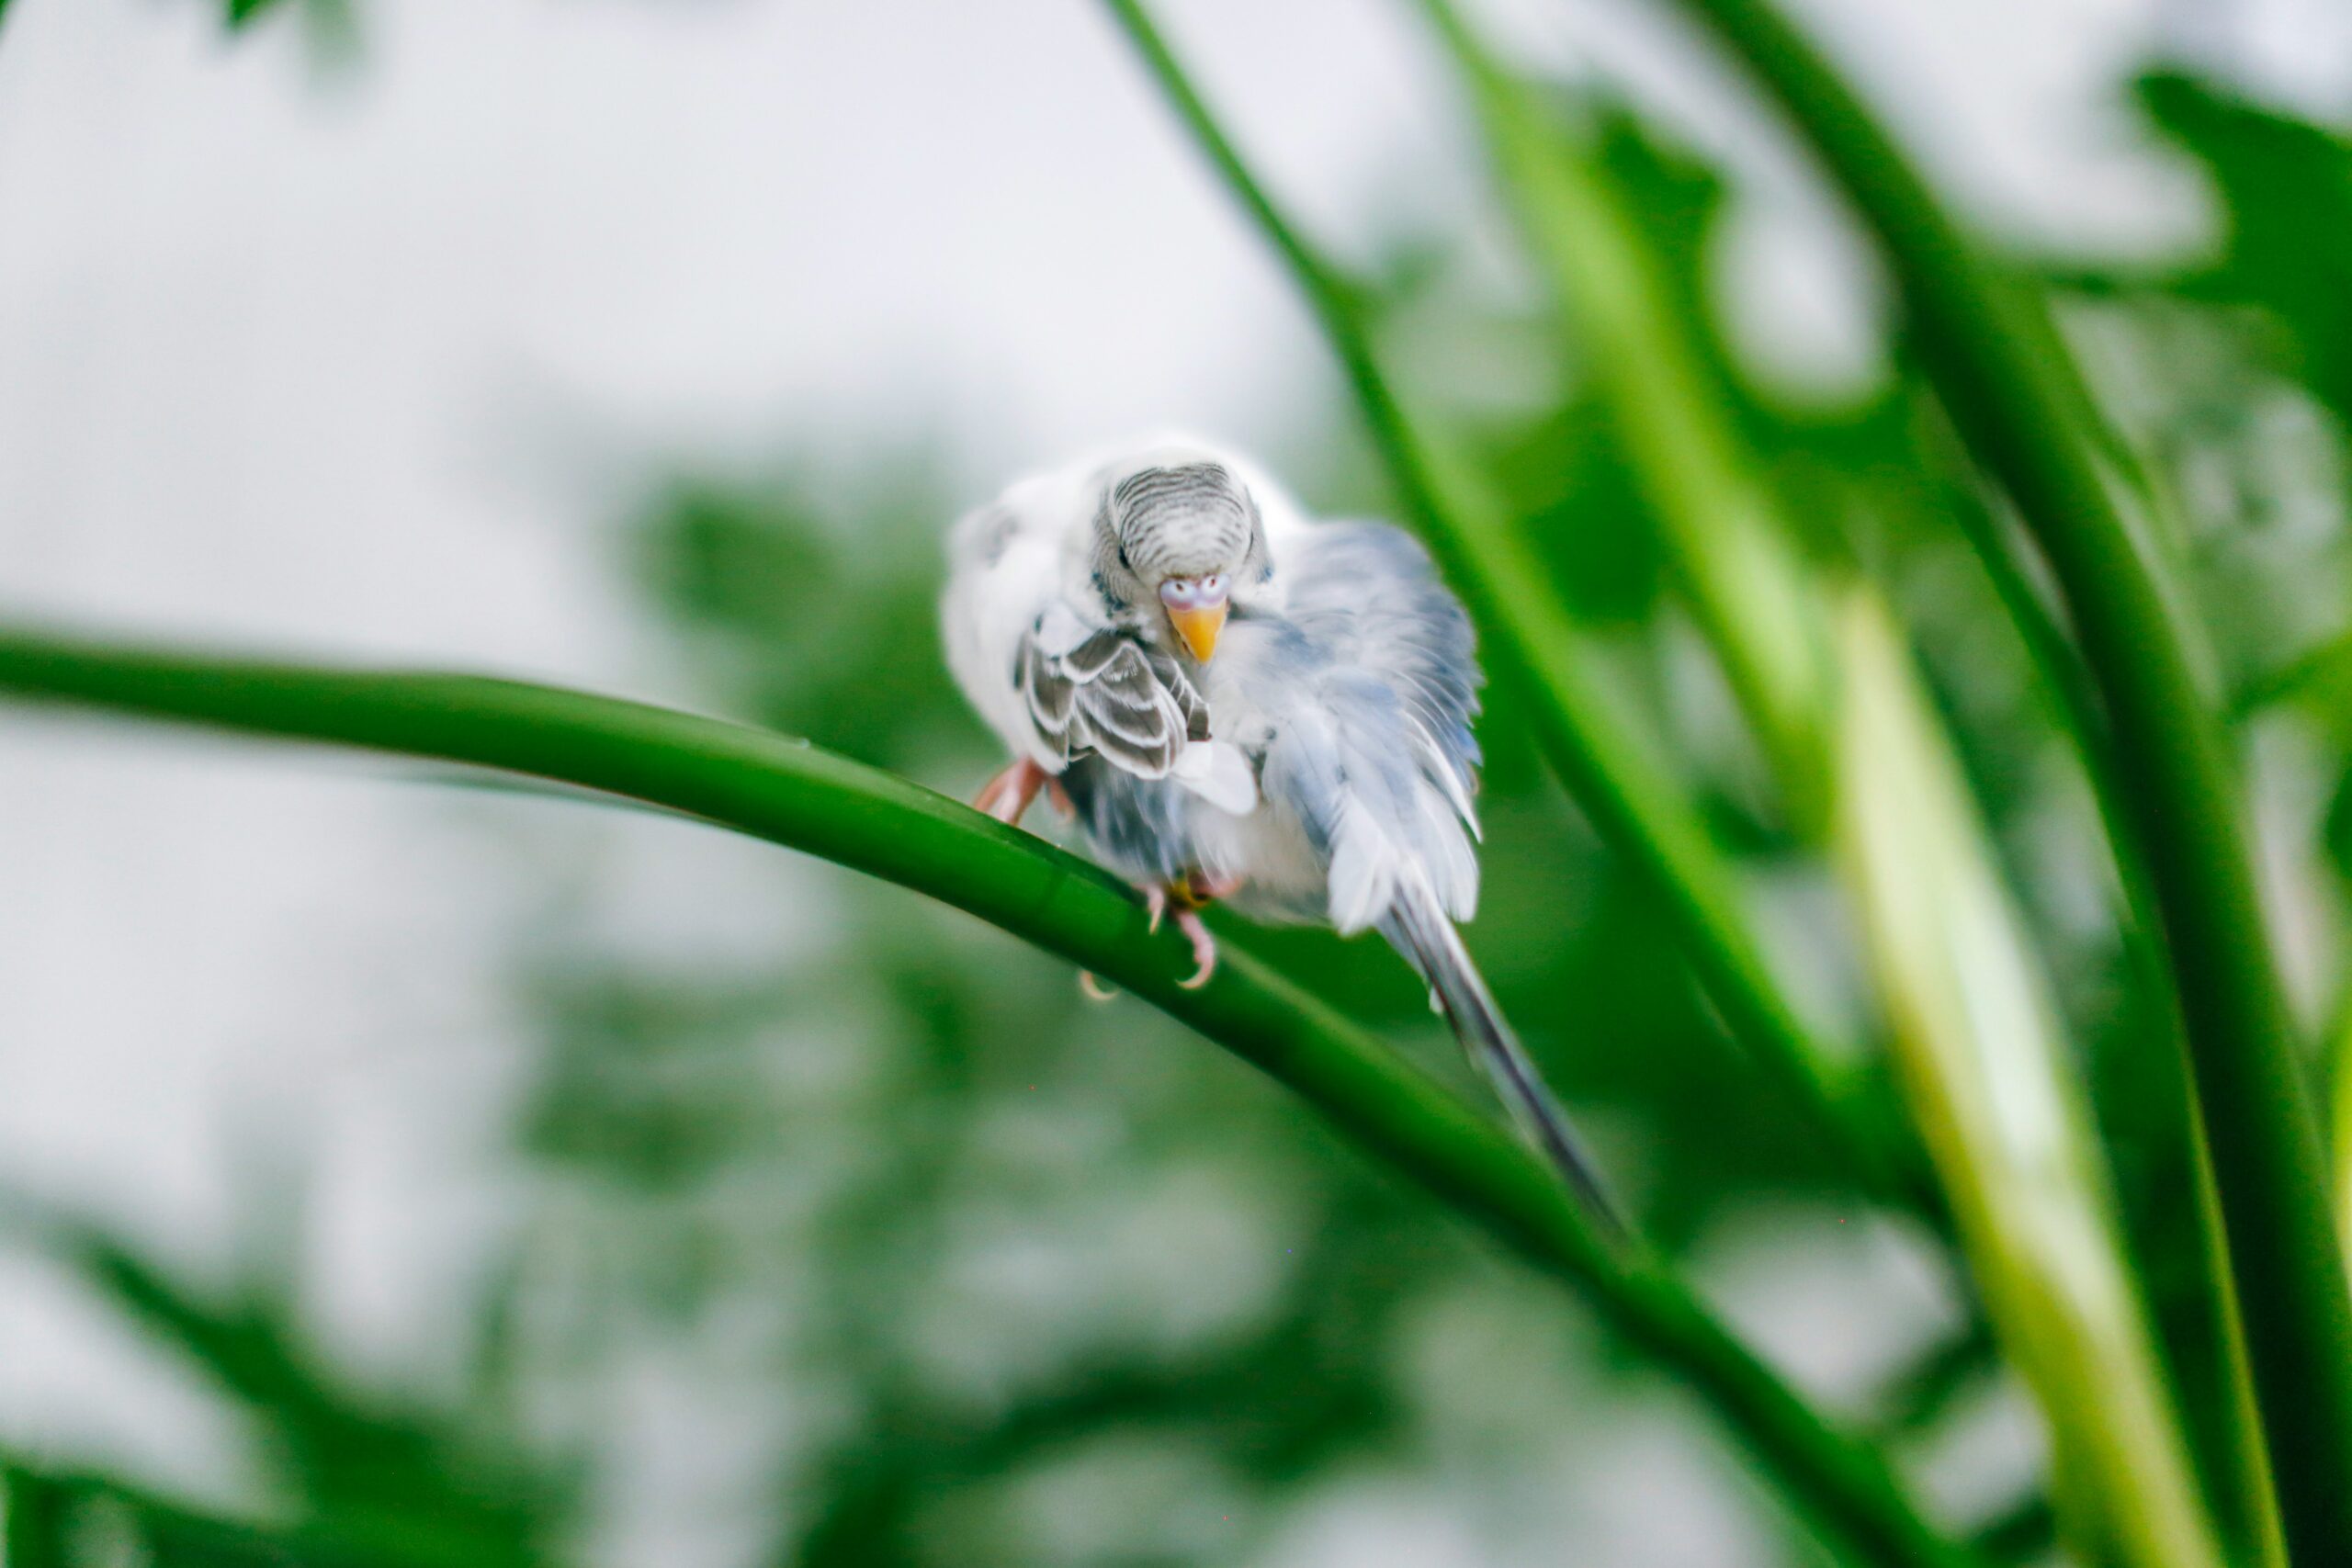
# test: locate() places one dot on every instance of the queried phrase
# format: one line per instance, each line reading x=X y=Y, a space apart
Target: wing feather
x=1111 y=696
x=1367 y=593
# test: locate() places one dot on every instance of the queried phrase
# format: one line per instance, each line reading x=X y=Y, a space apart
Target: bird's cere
x=1196 y=608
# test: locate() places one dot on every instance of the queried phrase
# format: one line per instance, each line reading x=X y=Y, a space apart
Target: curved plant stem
x=790 y=793
x=34 y=1531
x=1866 y=768
x=1718 y=520
x=2013 y=395
x=1600 y=752
x=1985 y=1060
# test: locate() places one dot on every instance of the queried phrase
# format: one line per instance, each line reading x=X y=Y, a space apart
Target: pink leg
x=1204 y=948
x=1008 y=794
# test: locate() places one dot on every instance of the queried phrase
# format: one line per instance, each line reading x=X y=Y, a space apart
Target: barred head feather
x=1170 y=512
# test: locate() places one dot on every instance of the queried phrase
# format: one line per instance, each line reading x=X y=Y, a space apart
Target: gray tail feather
x=1421 y=930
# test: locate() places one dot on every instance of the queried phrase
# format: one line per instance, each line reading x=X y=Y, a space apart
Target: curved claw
x=1094 y=990
x=1154 y=903
x=1204 y=948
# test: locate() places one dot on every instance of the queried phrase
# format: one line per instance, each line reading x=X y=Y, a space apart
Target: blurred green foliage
x=2285 y=186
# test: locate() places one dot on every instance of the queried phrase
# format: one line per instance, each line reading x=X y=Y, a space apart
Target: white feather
x=1363 y=871
x=1004 y=570
x=1451 y=866
x=1218 y=774
x=1436 y=763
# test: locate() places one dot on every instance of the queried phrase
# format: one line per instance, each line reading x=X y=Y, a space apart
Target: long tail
x=1419 y=928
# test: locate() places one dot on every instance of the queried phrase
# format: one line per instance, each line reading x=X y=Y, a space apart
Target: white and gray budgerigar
x=1237 y=702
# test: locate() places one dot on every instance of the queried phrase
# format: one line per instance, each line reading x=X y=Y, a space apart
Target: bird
x=1235 y=701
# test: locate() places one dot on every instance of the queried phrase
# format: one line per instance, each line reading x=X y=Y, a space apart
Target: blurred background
x=496 y=1180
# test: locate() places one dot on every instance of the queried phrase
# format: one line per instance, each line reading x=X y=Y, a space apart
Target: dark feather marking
x=1171 y=518
x=1052 y=692
x=1112 y=697
x=1136 y=825
x=1090 y=657
x=1189 y=700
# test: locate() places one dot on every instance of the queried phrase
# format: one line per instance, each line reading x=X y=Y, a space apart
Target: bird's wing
x=1099 y=691
x=1379 y=761
x=1367 y=594
x=1377 y=685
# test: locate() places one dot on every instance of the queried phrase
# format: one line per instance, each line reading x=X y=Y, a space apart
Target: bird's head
x=1178 y=543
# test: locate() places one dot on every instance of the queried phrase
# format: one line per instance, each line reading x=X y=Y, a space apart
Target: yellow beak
x=1198 y=626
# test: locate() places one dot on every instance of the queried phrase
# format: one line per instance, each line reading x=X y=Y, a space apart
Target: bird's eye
x=1211 y=583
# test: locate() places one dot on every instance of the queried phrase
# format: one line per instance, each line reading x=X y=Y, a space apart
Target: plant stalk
x=787 y=792
x=2014 y=397
x=2000 y=1104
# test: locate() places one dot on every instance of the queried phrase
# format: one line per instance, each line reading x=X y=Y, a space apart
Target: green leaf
x=242 y=14
x=371 y=1476
x=2284 y=187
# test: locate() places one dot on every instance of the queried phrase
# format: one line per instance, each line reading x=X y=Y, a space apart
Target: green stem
x=787 y=791
x=1995 y=360
x=2070 y=1313
x=35 y=1531
x=2338 y=1064
x=1716 y=516
x=2231 y=1444
x=1977 y=1039
x=1631 y=797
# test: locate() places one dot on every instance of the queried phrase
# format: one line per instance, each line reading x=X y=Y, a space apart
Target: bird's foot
x=1204 y=948
x=1187 y=897
x=1008 y=794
